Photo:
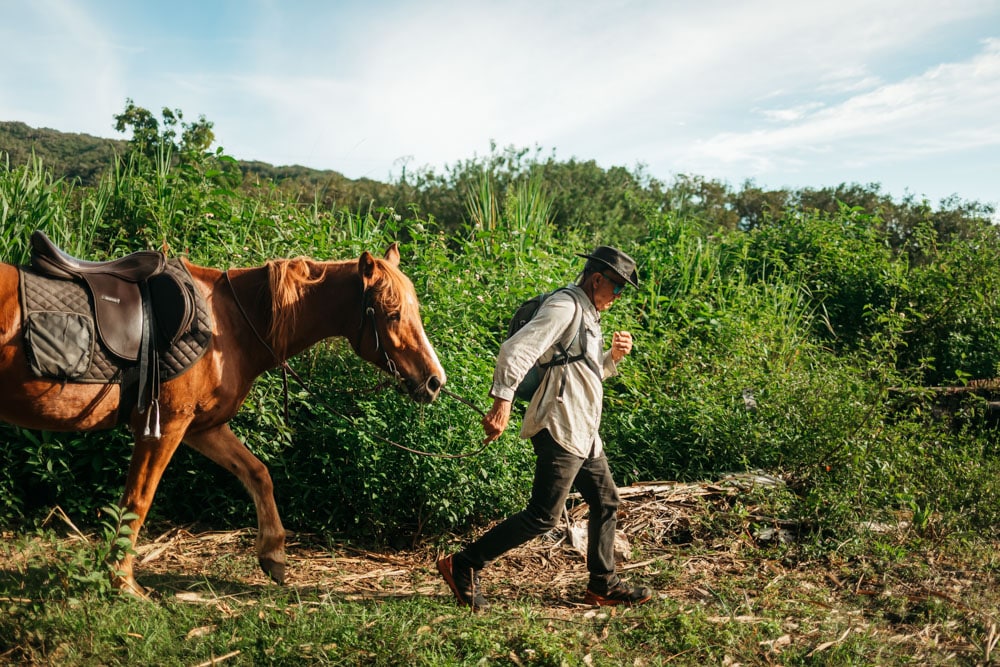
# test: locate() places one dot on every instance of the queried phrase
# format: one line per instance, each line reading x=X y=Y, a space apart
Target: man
x=562 y=421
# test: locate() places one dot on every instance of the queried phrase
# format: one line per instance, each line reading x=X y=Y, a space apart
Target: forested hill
x=78 y=157
x=83 y=158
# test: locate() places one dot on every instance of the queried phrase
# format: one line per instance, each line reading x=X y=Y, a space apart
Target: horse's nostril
x=434 y=383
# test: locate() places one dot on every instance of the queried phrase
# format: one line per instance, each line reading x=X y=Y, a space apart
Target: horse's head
x=392 y=335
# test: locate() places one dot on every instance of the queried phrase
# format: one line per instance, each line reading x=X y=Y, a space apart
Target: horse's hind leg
x=222 y=446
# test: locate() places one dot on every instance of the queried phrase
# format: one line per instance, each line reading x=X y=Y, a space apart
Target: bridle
x=367 y=314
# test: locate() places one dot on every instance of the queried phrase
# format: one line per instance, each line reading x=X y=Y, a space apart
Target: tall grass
x=522 y=222
x=30 y=199
x=481 y=204
x=528 y=212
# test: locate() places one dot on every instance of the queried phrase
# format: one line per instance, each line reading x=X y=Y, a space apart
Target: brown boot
x=463 y=582
x=619 y=594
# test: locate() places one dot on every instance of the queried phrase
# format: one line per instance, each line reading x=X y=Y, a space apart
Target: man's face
x=607 y=289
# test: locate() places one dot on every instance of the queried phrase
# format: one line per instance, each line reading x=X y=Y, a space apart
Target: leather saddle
x=119 y=288
x=139 y=308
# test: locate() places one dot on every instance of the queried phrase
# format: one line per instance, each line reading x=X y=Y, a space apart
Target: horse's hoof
x=131 y=587
x=273 y=569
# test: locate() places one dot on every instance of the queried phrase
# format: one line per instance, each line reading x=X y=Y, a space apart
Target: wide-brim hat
x=617 y=261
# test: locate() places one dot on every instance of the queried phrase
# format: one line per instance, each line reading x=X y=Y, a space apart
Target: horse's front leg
x=149 y=459
x=222 y=446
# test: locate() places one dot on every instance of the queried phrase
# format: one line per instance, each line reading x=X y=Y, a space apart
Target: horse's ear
x=367 y=268
x=392 y=254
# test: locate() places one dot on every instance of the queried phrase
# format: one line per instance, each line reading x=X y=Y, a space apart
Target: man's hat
x=616 y=260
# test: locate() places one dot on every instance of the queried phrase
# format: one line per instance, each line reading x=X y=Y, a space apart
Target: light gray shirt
x=573 y=419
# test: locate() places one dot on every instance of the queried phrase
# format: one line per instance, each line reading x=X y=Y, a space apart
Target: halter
x=368 y=314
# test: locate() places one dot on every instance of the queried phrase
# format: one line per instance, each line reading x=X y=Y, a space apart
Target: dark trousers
x=556 y=472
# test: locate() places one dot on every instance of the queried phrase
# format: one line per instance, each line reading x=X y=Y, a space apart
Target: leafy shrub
x=842 y=261
x=953 y=311
x=772 y=349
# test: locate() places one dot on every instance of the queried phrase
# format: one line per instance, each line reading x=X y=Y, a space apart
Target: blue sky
x=788 y=93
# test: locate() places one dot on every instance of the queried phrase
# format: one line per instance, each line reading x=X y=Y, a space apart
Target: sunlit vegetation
x=804 y=333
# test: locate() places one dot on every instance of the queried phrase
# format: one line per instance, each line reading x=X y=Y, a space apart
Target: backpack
x=524 y=313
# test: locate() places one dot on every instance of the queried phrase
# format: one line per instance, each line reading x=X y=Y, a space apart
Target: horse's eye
x=393 y=316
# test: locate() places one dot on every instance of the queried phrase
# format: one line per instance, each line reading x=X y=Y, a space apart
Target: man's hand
x=496 y=420
x=621 y=344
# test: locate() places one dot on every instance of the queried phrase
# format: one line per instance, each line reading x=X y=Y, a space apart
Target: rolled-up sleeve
x=609 y=366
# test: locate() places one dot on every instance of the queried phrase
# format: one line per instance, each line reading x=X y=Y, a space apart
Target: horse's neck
x=330 y=307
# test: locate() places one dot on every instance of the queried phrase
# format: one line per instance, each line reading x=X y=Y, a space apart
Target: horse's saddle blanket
x=63 y=340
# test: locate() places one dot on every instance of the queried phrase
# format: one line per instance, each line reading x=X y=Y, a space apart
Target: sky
x=783 y=93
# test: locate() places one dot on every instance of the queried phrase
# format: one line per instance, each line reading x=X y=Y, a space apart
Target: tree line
x=607 y=203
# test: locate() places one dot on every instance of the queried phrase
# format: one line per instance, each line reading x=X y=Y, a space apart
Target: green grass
x=719 y=601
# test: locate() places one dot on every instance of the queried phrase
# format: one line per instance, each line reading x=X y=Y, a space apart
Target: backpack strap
x=563 y=357
x=582 y=335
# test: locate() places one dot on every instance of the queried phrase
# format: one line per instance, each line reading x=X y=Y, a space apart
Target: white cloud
x=792 y=113
x=952 y=107
x=763 y=88
x=847 y=80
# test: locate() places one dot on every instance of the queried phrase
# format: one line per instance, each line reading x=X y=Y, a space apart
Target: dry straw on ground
x=653 y=518
x=702 y=546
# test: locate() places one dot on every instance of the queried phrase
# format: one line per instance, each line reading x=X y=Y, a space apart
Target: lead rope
x=286 y=369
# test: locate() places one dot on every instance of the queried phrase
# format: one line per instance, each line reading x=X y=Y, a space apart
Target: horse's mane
x=290 y=278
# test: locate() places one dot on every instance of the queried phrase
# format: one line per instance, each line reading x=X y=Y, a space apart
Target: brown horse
x=260 y=317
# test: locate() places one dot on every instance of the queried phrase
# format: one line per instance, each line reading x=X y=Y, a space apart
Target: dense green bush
x=771 y=349
x=953 y=308
x=843 y=261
